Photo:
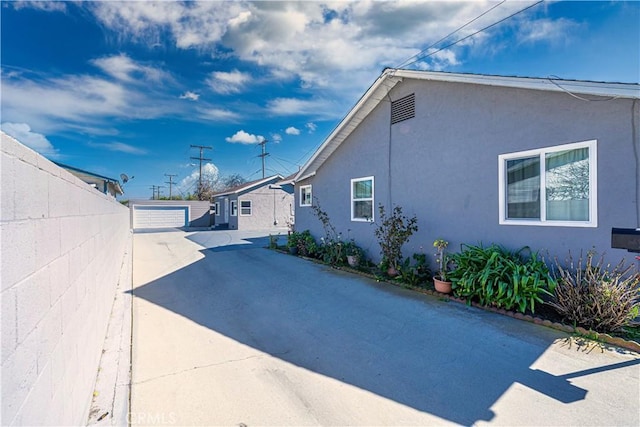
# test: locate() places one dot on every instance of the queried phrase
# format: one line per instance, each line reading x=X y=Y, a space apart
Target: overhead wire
x=432 y=45
x=474 y=33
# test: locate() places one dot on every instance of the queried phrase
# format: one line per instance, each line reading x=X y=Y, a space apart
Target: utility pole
x=170 y=182
x=153 y=189
x=264 y=154
x=202 y=148
x=159 y=187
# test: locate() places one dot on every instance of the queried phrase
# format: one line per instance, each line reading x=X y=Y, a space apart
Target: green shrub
x=498 y=277
x=415 y=273
x=307 y=245
x=595 y=296
x=392 y=233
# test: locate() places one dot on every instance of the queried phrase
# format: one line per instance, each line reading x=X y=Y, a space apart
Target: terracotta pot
x=353 y=260
x=392 y=272
x=442 y=287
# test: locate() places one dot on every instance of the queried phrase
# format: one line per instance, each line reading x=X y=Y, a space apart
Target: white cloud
x=243 y=137
x=210 y=175
x=217 y=114
x=228 y=82
x=46 y=6
x=118 y=146
x=311 y=127
x=549 y=30
x=276 y=138
x=123 y=68
x=292 y=131
x=36 y=141
x=192 y=96
x=294 y=106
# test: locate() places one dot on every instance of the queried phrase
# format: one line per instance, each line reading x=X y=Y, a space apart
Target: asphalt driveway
x=229 y=333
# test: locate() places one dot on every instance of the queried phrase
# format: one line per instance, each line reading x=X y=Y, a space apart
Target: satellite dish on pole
x=124 y=178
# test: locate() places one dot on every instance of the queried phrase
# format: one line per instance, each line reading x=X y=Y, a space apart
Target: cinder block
x=7 y=195
x=58 y=367
x=18 y=252
x=69 y=305
x=47 y=233
x=18 y=375
x=59 y=277
x=14 y=148
x=9 y=324
x=49 y=332
x=34 y=298
x=35 y=408
x=30 y=189
x=60 y=197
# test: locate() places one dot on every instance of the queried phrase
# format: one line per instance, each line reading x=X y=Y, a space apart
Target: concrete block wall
x=62 y=248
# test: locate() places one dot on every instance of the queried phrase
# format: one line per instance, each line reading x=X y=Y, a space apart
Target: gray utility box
x=626 y=238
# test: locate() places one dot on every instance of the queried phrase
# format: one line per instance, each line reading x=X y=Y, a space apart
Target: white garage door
x=160 y=216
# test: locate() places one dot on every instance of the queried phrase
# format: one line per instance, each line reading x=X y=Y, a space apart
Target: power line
x=170 y=182
x=200 y=158
x=264 y=154
x=473 y=34
x=448 y=35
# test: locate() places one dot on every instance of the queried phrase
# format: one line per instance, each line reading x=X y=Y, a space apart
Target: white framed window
x=362 y=199
x=306 y=198
x=216 y=208
x=234 y=208
x=554 y=186
x=245 y=207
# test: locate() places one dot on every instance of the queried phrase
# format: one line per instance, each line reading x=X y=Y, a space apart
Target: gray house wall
x=271 y=207
x=199 y=214
x=442 y=166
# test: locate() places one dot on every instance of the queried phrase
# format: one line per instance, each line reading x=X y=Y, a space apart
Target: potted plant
x=354 y=253
x=293 y=240
x=440 y=279
x=393 y=232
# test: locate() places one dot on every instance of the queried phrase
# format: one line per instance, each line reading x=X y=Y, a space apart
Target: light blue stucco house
x=540 y=162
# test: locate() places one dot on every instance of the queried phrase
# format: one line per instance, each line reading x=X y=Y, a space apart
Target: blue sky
x=127 y=87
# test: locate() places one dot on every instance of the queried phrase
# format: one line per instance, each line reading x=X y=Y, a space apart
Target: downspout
x=636 y=151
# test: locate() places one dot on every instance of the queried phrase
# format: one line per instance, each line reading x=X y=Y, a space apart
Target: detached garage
x=158 y=214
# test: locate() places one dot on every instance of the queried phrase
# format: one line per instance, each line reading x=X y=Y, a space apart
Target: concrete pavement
x=228 y=333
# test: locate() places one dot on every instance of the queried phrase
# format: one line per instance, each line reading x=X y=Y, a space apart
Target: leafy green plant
x=596 y=296
x=415 y=273
x=392 y=233
x=273 y=241
x=307 y=245
x=293 y=239
x=498 y=277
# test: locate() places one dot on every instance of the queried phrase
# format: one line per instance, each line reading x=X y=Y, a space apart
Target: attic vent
x=403 y=109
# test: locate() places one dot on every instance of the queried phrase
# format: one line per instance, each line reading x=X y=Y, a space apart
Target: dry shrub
x=595 y=296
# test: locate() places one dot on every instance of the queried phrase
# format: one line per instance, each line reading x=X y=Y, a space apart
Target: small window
x=403 y=109
x=362 y=199
x=553 y=186
x=245 y=207
x=216 y=208
x=234 y=208
x=305 y=195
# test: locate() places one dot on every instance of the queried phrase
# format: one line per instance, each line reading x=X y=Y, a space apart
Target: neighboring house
x=101 y=183
x=256 y=205
x=157 y=214
x=546 y=163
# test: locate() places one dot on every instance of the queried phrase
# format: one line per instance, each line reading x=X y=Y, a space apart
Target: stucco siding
x=270 y=208
x=442 y=165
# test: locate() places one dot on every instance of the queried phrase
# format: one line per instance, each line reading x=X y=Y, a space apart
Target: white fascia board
x=364 y=105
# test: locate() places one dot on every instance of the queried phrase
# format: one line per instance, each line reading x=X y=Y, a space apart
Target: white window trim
x=372 y=198
x=250 y=208
x=217 y=205
x=311 y=198
x=593 y=186
x=232 y=205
